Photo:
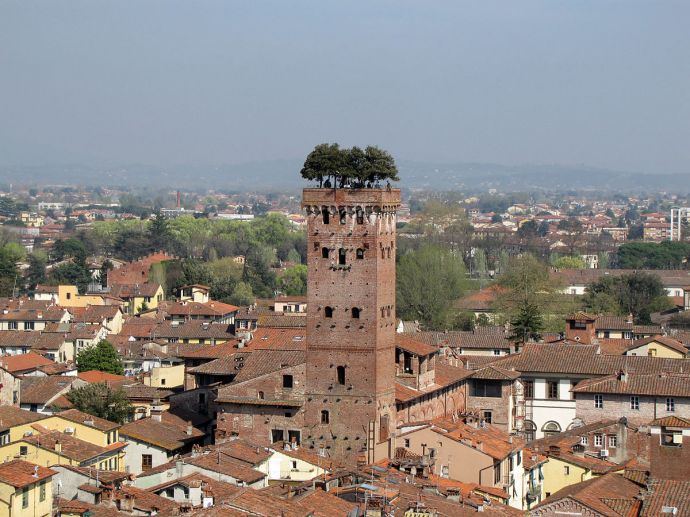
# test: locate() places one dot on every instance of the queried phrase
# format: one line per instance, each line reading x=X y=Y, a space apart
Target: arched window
x=360 y=253
x=355 y=312
x=530 y=430
x=342 y=256
x=360 y=216
x=383 y=253
x=325 y=417
x=343 y=216
x=328 y=312
x=326 y=215
x=260 y=395
x=550 y=428
x=388 y=250
x=341 y=375
x=325 y=252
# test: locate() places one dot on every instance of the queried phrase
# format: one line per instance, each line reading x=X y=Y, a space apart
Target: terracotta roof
x=597 y=494
x=79 y=417
x=667 y=341
x=94 y=313
x=228 y=365
x=614 y=346
x=257 y=502
x=495 y=373
x=207 y=351
x=220 y=490
x=584 y=360
x=607 y=322
x=581 y=316
x=139 y=391
x=323 y=504
x=20 y=363
x=11 y=416
x=262 y=362
x=71 y=447
x=146 y=501
x=191 y=329
x=489 y=439
x=170 y=433
x=222 y=463
x=282 y=320
x=418 y=348
x=669 y=493
x=49 y=314
x=671 y=421
x=447 y=374
x=211 y=309
x=81 y=508
x=104 y=476
x=662 y=385
x=244 y=451
x=41 y=390
x=125 y=291
x=95 y=376
x=19 y=473
x=277 y=338
x=464 y=339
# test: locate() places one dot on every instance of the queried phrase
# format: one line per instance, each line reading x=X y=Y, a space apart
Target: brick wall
x=617 y=406
x=257 y=421
x=351 y=418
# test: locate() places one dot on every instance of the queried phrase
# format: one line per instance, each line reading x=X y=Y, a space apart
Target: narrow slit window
x=325 y=417
x=326 y=215
x=342 y=256
x=360 y=216
x=341 y=375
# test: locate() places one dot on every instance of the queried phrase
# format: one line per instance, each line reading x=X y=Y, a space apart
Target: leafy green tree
x=496 y=218
x=101 y=401
x=636 y=232
x=293 y=281
x=71 y=273
x=325 y=161
x=428 y=281
x=569 y=263
x=67 y=248
x=527 y=282
x=102 y=357
x=242 y=294
x=637 y=293
x=652 y=255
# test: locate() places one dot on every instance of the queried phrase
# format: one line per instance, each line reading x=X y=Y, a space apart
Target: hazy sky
x=605 y=83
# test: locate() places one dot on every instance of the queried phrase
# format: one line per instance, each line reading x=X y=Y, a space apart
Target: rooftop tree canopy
x=355 y=168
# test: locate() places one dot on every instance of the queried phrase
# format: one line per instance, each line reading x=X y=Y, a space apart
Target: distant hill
x=284 y=175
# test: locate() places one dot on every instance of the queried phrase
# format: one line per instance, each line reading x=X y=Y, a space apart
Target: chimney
x=156 y=410
x=630 y=318
x=190 y=429
x=58 y=446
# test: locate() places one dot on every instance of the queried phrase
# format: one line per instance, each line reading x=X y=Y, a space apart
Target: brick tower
x=350 y=385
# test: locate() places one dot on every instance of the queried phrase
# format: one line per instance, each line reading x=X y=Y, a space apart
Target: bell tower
x=350 y=385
